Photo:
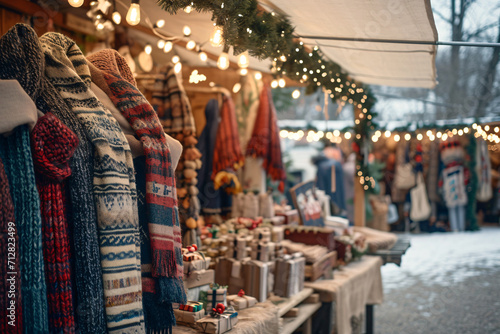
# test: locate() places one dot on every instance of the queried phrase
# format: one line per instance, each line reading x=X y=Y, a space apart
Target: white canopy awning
x=403 y=65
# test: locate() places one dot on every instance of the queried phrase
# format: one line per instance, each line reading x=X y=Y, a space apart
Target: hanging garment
x=114 y=76
x=420 y=208
x=483 y=170
x=16 y=154
x=114 y=185
x=330 y=179
x=53 y=144
x=22 y=59
x=454 y=186
x=265 y=141
x=10 y=271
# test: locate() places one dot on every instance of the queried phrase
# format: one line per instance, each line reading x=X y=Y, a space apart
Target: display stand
x=306 y=312
x=356 y=286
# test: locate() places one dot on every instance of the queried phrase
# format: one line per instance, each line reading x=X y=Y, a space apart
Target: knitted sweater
x=53 y=145
x=22 y=59
x=10 y=286
x=114 y=186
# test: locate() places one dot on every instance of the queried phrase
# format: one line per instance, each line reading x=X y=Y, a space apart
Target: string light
x=387 y=134
x=134 y=13
x=178 y=67
x=236 y=89
x=420 y=136
x=296 y=94
x=216 y=39
x=191 y=45
x=148 y=49
x=243 y=60
x=407 y=137
x=116 y=17
x=258 y=76
x=160 y=44
x=168 y=47
x=160 y=23
x=76 y=3
x=274 y=83
x=175 y=59
x=188 y=9
x=223 y=61
x=243 y=71
x=186 y=31
x=397 y=138
x=282 y=83
x=486 y=128
x=347 y=135
x=203 y=56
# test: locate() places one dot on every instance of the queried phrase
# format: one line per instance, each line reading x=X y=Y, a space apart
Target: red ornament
x=219 y=308
x=241 y=293
x=191 y=249
x=195 y=247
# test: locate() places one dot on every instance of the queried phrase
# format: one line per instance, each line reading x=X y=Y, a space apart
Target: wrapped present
x=290 y=272
x=312 y=235
x=200 y=264
x=277 y=220
x=191 y=306
x=241 y=301
x=262 y=234
x=194 y=256
x=291 y=216
x=217 y=294
x=279 y=250
x=188 y=318
x=277 y=233
x=194 y=293
x=237 y=253
x=229 y=272
x=199 y=278
x=263 y=251
x=321 y=268
x=256 y=275
x=219 y=324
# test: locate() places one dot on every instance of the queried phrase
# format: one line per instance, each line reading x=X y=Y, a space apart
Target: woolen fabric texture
x=265 y=140
x=227 y=151
x=53 y=144
x=10 y=286
x=22 y=59
x=114 y=186
x=15 y=98
x=15 y=152
x=161 y=198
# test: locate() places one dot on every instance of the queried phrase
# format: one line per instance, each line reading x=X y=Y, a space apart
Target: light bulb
x=186 y=31
x=258 y=75
x=223 y=61
x=243 y=71
x=178 y=68
x=397 y=138
x=347 y=135
x=168 y=47
x=161 y=44
x=243 y=60
x=282 y=83
x=216 y=39
x=236 y=87
x=148 y=49
x=283 y=58
x=134 y=13
x=117 y=18
x=203 y=56
x=175 y=59
x=188 y=9
x=296 y=94
x=191 y=45
x=387 y=134
x=274 y=83
x=160 y=23
x=100 y=26
x=407 y=137
x=76 y=3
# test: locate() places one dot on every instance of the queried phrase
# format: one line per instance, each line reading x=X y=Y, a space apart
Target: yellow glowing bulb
x=282 y=83
x=374 y=139
x=168 y=47
x=203 y=56
x=243 y=60
x=191 y=45
x=283 y=133
x=134 y=14
x=160 y=23
x=223 y=61
x=178 y=67
x=283 y=58
x=347 y=135
x=161 y=44
x=117 y=18
x=296 y=95
x=258 y=75
x=397 y=138
x=407 y=136
x=243 y=71
x=274 y=83
x=188 y=9
x=439 y=134
x=76 y=3
x=216 y=39
x=387 y=134
x=100 y=26
x=420 y=136
x=486 y=128
x=175 y=59
x=236 y=89
x=148 y=49
x=378 y=133
x=186 y=31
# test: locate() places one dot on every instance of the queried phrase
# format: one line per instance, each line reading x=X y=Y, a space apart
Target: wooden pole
x=359 y=192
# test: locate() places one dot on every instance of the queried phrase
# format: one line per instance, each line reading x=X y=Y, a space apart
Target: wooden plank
x=294 y=301
x=312 y=299
x=306 y=311
x=292 y=313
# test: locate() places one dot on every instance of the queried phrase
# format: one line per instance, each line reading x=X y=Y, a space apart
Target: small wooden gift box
x=200 y=264
x=188 y=318
x=199 y=278
x=217 y=294
x=191 y=306
x=241 y=301
x=263 y=251
x=256 y=275
x=262 y=234
x=290 y=273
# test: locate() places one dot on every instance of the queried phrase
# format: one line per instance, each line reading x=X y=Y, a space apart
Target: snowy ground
x=448 y=283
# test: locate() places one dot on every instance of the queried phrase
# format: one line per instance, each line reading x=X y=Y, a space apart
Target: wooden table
x=353 y=288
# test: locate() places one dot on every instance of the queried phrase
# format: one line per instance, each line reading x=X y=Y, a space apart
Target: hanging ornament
x=216 y=39
x=76 y=3
x=134 y=13
x=243 y=60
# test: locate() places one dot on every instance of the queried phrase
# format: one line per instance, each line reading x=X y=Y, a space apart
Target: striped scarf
x=22 y=59
x=114 y=185
x=165 y=268
x=9 y=241
x=227 y=152
x=265 y=141
x=53 y=144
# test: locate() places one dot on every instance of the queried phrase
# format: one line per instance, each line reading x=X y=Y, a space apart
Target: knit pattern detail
x=265 y=141
x=161 y=198
x=53 y=144
x=10 y=286
x=113 y=185
x=22 y=59
x=15 y=152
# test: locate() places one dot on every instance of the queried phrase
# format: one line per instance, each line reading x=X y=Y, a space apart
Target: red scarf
x=53 y=144
x=265 y=140
x=227 y=152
